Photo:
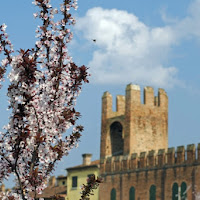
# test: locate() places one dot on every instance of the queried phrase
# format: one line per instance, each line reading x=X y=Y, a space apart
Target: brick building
x=135 y=161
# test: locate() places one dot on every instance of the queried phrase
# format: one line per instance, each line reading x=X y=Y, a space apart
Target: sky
x=150 y=44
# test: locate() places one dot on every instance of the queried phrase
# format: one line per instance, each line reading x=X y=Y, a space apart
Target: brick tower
x=136 y=163
x=134 y=127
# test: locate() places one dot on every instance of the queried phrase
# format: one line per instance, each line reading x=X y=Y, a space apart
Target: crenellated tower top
x=167 y=158
x=135 y=126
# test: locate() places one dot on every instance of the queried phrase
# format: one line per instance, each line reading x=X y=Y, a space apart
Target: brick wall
x=142 y=179
x=146 y=159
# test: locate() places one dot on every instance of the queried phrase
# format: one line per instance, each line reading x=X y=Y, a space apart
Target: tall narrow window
x=113 y=194
x=175 y=191
x=152 y=193
x=183 y=191
x=117 y=141
x=74 y=181
x=132 y=193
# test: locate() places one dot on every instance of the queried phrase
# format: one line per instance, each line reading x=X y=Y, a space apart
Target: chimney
x=2 y=188
x=86 y=158
x=52 y=181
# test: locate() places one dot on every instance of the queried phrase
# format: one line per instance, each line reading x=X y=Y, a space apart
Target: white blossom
x=42 y=96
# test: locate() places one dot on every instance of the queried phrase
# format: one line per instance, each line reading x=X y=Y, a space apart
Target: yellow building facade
x=62 y=180
x=77 y=176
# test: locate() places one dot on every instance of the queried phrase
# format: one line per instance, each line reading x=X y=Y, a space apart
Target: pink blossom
x=42 y=96
x=35 y=14
x=3 y=27
x=4 y=62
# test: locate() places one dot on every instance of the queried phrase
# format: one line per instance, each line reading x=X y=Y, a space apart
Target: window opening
x=152 y=191
x=117 y=141
x=132 y=193
x=113 y=194
x=175 y=192
x=183 y=191
x=74 y=181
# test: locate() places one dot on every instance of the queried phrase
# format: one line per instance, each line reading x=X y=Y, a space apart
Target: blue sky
x=151 y=44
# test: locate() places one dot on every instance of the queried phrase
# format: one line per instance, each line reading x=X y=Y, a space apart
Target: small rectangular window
x=74 y=181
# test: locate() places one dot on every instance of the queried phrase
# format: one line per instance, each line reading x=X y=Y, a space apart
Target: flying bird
x=94 y=40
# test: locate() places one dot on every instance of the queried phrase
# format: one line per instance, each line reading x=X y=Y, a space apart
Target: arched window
x=152 y=193
x=183 y=191
x=117 y=142
x=113 y=194
x=175 y=191
x=132 y=193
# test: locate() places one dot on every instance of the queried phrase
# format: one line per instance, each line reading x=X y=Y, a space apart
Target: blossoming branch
x=44 y=86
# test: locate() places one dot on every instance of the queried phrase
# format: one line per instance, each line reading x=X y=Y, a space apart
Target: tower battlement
x=134 y=126
x=152 y=159
x=133 y=96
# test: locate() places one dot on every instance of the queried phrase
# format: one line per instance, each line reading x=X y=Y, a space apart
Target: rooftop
x=94 y=163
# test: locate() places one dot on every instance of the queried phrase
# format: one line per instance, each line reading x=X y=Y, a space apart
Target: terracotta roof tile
x=93 y=163
x=50 y=191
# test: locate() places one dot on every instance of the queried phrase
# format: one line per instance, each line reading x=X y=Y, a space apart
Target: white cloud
x=190 y=25
x=130 y=51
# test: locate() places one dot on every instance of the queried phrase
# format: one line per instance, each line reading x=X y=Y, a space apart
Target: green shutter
x=183 y=191
x=113 y=194
x=132 y=193
x=175 y=191
x=152 y=193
